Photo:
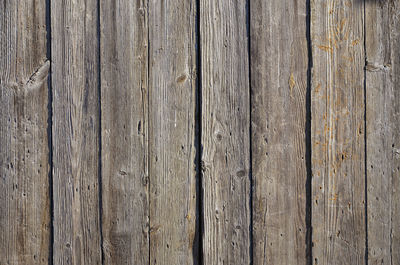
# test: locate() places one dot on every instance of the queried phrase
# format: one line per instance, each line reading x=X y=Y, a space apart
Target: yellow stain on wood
x=355 y=42
x=292 y=83
x=325 y=48
x=317 y=88
x=334 y=197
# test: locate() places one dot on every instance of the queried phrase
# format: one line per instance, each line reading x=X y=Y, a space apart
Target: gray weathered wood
x=24 y=189
x=383 y=130
x=124 y=108
x=338 y=182
x=225 y=132
x=74 y=53
x=279 y=63
x=172 y=152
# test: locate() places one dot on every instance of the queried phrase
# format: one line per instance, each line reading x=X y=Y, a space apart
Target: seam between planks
x=365 y=139
x=100 y=168
x=308 y=130
x=199 y=153
x=147 y=132
x=50 y=130
x=248 y=21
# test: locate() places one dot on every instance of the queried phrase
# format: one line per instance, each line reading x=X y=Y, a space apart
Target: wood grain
x=383 y=130
x=279 y=60
x=225 y=132
x=338 y=127
x=172 y=112
x=24 y=188
x=74 y=53
x=124 y=121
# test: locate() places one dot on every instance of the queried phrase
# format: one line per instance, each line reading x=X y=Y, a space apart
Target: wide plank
x=338 y=132
x=24 y=156
x=225 y=137
x=124 y=131
x=172 y=132
x=75 y=71
x=383 y=131
x=279 y=61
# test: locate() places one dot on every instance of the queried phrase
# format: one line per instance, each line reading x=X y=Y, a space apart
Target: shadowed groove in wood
x=50 y=130
x=365 y=136
x=248 y=28
x=199 y=146
x=99 y=174
x=308 y=151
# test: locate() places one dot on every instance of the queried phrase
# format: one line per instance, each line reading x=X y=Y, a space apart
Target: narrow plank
x=124 y=108
x=383 y=131
x=75 y=132
x=337 y=97
x=279 y=60
x=172 y=112
x=24 y=188
x=225 y=132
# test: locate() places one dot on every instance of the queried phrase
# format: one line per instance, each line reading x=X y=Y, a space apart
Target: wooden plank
x=383 y=131
x=338 y=183
x=172 y=150
x=225 y=132
x=279 y=88
x=75 y=132
x=24 y=188
x=124 y=107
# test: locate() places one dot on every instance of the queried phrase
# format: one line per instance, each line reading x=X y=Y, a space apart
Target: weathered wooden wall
x=200 y=132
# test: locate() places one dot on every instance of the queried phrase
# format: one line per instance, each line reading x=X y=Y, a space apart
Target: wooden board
x=24 y=166
x=225 y=126
x=383 y=130
x=124 y=135
x=172 y=149
x=279 y=61
x=338 y=132
x=74 y=56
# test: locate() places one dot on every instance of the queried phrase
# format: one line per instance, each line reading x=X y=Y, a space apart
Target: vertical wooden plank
x=225 y=132
x=172 y=107
x=75 y=132
x=24 y=189
x=124 y=107
x=383 y=130
x=338 y=182
x=279 y=61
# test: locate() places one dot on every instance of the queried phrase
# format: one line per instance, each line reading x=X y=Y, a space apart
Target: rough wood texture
x=172 y=159
x=338 y=183
x=279 y=63
x=225 y=132
x=24 y=189
x=75 y=132
x=124 y=108
x=383 y=131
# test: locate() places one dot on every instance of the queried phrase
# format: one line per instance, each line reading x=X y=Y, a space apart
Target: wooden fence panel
x=383 y=130
x=199 y=132
x=124 y=108
x=225 y=129
x=24 y=166
x=338 y=182
x=279 y=61
x=172 y=147
x=74 y=56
